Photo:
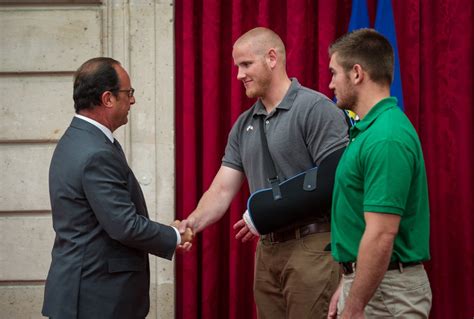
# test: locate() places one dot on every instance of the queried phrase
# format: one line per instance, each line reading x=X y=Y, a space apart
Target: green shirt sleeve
x=389 y=167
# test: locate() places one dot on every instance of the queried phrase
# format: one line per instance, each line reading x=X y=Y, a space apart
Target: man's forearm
x=216 y=200
x=373 y=258
x=210 y=209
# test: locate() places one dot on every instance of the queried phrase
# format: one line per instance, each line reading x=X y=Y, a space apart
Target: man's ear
x=358 y=74
x=272 y=58
x=106 y=98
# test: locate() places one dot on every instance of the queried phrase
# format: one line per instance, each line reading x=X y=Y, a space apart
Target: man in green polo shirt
x=380 y=213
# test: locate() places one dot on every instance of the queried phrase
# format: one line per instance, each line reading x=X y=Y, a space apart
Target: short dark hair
x=93 y=78
x=369 y=49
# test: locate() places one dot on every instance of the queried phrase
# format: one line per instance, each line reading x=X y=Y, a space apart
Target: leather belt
x=296 y=233
x=348 y=267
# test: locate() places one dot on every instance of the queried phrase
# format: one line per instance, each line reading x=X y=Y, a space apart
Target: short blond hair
x=262 y=39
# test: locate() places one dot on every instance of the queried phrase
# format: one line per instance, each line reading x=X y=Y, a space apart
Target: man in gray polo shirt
x=294 y=275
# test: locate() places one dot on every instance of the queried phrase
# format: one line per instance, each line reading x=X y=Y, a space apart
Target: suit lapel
x=90 y=128
x=134 y=186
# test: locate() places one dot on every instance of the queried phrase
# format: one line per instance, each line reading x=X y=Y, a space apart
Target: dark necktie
x=119 y=148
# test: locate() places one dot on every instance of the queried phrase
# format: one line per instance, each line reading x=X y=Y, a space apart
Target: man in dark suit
x=100 y=265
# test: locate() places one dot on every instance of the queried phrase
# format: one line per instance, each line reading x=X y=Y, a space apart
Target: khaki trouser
x=404 y=294
x=295 y=279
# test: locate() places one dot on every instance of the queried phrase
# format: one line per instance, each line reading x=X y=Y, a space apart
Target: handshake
x=246 y=231
x=186 y=232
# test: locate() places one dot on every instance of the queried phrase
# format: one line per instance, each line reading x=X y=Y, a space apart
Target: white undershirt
x=110 y=136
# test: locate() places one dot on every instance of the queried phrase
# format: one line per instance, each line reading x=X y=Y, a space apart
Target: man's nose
x=240 y=74
x=132 y=100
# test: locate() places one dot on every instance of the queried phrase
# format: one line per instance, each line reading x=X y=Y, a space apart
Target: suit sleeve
x=105 y=179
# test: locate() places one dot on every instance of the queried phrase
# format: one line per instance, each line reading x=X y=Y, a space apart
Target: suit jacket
x=99 y=265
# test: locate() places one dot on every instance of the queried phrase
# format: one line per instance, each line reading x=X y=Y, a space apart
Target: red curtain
x=435 y=41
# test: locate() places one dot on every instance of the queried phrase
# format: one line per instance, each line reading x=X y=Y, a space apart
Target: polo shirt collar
x=382 y=106
x=285 y=104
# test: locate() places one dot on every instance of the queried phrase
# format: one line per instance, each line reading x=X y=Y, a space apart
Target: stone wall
x=42 y=44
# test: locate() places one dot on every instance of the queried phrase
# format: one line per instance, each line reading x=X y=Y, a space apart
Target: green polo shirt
x=381 y=171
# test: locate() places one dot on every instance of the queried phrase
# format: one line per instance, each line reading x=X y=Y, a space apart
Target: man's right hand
x=185 y=224
x=187 y=234
x=332 y=312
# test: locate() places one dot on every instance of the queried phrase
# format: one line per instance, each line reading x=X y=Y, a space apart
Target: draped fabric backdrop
x=435 y=42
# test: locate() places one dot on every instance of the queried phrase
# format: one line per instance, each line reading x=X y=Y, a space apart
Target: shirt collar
x=285 y=104
x=101 y=127
x=382 y=106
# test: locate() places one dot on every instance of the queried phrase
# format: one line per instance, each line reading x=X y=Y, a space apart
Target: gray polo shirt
x=301 y=131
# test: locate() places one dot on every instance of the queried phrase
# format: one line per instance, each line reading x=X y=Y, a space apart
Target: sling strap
x=270 y=167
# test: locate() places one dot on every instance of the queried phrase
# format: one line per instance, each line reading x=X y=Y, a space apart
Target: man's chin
x=342 y=106
x=251 y=94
